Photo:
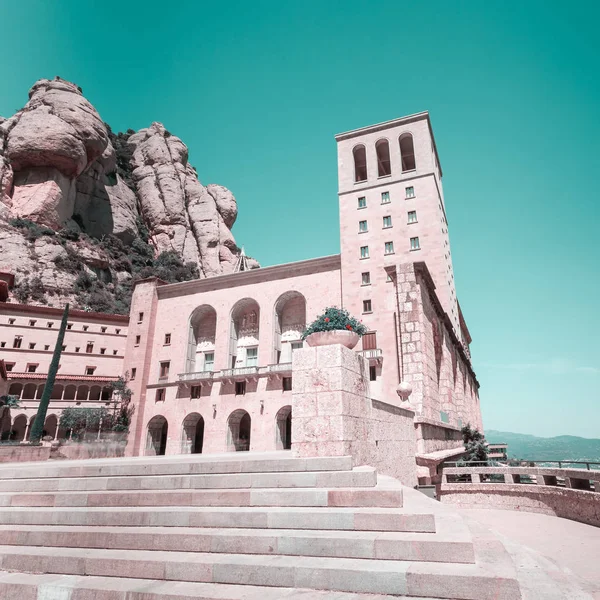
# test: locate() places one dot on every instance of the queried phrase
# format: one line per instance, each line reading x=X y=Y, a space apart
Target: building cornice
x=293 y=269
x=10 y=307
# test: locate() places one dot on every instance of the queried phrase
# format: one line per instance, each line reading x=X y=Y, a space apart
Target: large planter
x=329 y=338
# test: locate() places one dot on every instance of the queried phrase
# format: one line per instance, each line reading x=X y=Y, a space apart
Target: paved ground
x=571 y=545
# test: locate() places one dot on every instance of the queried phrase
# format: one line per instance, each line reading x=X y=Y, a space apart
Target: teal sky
x=257 y=91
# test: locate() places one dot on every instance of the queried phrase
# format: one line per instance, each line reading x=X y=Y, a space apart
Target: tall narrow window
x=133 y=373
x=382 y=147
x=160 y=395
x=240 y=388
x=407 y=152
x=385 y=197
x=17 y=341
x=195 y=392
x=164 y=369
x=362 y=226
x=286 y=384
x=410 y=192
x=360 y=163
x=251 y=357
x=412 y=216
x=140 y=317
x=209 y=361
x=89 y=348
x=387 y=222
x=362 y=202
x=137 y=340
x=364 y=251
x=389 y=247
x=167 y=339
x=366 y=278
x=367 y=308
x=414 y=243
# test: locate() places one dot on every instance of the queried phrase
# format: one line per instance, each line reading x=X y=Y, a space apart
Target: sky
x=257 y=90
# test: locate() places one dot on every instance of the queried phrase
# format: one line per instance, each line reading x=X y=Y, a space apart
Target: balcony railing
x=376 y=354
x=199 y=376
x=280 y=368
x=239 y=373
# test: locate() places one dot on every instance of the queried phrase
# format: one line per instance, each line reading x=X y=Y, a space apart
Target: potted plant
x=334 y=326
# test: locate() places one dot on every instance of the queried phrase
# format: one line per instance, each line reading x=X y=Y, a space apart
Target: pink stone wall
x=335 y=416
x=24 y=453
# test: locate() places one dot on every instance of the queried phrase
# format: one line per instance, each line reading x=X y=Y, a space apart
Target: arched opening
x=360 y=163
x=29 y=391
x=15 y=389
x=289 y=322
x=238 y=431
x=51 y=426
x=82 y=393
x=30 y=427
x=70 y=392
x=407 y=152
x=57 y=392
x=156 y=442
x=19 y=427
x=193 y=434
x=95 y=393
x=106 y=394
x=283 y=421
x=40 y=391
x=244 y=332
x=201 y=339
x=384 y=166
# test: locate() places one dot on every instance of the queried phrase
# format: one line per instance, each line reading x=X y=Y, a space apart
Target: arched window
x=407 y=152
x=156 y=442
x=238 y=431
x=192 y=434
x=384 y=166
x=201 y=339
x=360 y=163
x=283 y=440
x=244 y=334
x=290 y=322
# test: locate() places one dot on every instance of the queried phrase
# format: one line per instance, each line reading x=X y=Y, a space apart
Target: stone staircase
x=235 y=526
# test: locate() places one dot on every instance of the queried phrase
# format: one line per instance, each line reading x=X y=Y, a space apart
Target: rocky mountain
x=84 y=211
x=531 y=447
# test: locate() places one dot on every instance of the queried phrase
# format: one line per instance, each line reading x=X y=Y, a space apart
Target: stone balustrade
x=570 y=493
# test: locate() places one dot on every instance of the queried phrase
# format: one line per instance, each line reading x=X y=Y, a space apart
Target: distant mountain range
x=530 y=447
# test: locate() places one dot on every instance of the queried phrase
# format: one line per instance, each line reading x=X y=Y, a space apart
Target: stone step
x=376 y=497
x=466 y=581
x=19 y=586
x=358 y=519
x=357 y=477
x=427 y=547
x=239 y=462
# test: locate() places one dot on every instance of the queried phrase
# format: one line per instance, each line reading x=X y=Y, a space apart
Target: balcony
x=374 y=355
x=239 y=374
x=196 y=378
x=277 y=371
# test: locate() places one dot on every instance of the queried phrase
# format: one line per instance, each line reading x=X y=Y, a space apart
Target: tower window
x=362 y=226
x=382 y=147
x=389 y=247
x=385 y=197
x=103 y=329
x=360 y=163
x=167 y=339
x=17 y=341
x=137 y=340
x=388 y=278
x=90 y=370
x=362 y=202
x=412 y=216
x=9 y=366
x=367 y=308
x=414 y=243
x=89 y=348
x=410 y=192
x=195 y=392
x=133 y=373
x=387 y=222
x=364 y=251
x=366 y=278
x=31 y=345
x=102 y=350
x=32 y=323
x=372 y=373
x=32 y=367
x=160 y=395
x=407 y=152
x=240 y=388
x=164 y=369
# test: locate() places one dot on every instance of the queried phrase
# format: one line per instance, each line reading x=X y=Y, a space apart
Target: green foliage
x=31 y=230
x=30 y=289
x=84 y=282
x=123 y=153
x=71 y=232
x=335 y=319
x=10 y=400
x=78 y=420
x=475 y=444
x=69 y=262
x=169 y=267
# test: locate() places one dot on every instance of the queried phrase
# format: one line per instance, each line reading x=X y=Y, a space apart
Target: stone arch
x=407 y=152
x=201 y=339
x=30 y=427
x=15 y=389
x=40 y=391
x=283 y=428
x=95 y=392
x=19 y=428
x=192 y=434
x=51 y=426
x=359 y=153
x=57 y=392
x=384 y=165
x=239 y=426
x=244 y=333
x=70 y=392
x=29 y=391
x=82 y=393
x=289 y=322
x=156 y=440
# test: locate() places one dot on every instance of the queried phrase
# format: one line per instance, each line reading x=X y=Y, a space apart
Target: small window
x=32 y=367
x=2 y=344
x=17 y=341
x=372 y=373
x=49 y=324
x=133 y=373
x=46 y=347
x=102 y=350
x=11 y=321
x=367 y=308
x=103 y=329
x=287 y=384
x=85 y=327
x=167 y=339
x=114 y=352
x=362 y=202
x=389 y=247
x=89 y=348
x=117 y=331
x=385 y=197
x=76 y=348
x=410 y=192
x=412 y=216
x=31 y=345
x=444 y=417
x=209 y=361
x=195 y=391
x=362 y=226
x=366 y=278
x=160 y=395
x=240 y=388
x=69 y=325
x=140 y=317
x=360 y=163
x=164 y=369
x=32 y=323
x=251 y=357
x=90 y=370
x=414 y=243
x=364 y=251
x=9 y=366
x=64 y=348
x=387 y=222
x=137 y=340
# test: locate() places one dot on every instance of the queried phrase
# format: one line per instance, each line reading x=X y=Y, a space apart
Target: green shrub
x=31 y=230
x=335 y=319
x=83 y=282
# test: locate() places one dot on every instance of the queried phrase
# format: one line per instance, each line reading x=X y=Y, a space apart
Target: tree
x=40 y=418
x=475 y=444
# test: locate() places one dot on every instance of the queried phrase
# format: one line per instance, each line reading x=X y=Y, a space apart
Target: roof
x=57 y=312
x=61 y=377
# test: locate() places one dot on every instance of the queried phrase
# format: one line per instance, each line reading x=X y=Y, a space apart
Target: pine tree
x=475 y=444
x=40 y=418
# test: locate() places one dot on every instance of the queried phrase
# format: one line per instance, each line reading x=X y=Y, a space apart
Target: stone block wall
x=333 y=414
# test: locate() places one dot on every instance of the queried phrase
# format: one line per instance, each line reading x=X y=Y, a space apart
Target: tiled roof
x=61 y=377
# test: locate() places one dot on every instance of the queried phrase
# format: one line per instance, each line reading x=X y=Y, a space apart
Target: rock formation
x=63 y=169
